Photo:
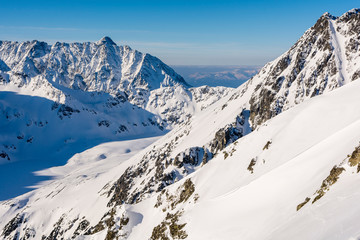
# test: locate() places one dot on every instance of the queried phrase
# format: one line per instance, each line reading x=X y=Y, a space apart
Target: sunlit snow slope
x=254 y=192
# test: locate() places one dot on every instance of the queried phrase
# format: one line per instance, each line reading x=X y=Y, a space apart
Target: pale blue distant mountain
x=213 y=76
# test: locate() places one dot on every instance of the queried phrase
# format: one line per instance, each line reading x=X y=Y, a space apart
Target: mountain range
x=276 y=158
x=61 y=99
x=213 y=76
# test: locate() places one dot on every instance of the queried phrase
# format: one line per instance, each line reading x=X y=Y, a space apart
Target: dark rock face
x=231 y=132
x=321 y=30
x=192 y=156
x=105 y=123
x=261 y=109
x=56 y=232
x=66 y=111
x=11 y=226
x=4 y=155
x=121 y=188
x=83 y=225
x=113 y=225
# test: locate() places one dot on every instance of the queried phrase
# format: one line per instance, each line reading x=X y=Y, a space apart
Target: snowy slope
x=237 y=168
x=306 y=142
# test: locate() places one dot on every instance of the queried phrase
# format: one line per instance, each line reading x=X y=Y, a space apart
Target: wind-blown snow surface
x=306 y=142
x=87 y=173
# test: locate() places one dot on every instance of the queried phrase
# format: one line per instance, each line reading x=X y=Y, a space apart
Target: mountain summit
x=58 y=100
x=102 y=67
x=323 y=59
x=106 y=40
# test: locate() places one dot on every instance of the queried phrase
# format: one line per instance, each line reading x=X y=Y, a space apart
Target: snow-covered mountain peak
x=94 y=67
x=351 y=12
x=106 y=40
x=98 y=91
x=324 y=58
x=327 y=15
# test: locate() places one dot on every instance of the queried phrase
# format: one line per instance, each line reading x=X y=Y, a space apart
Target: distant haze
x=227 y=76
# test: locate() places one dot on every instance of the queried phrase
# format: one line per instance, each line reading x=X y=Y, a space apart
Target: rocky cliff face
x=323 y=59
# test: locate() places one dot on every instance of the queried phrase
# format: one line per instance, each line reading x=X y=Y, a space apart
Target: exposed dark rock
x=171 y=225
x=355 y=157
x=271 y=96
x=267 y=145
x=30 y=233
x=187 y=191
x=192 y=156
x=356 y=75
x=261 y=109
x=105 y=123
x=65 y=111
x=13 y=224
x=120 y=189
x=321 y=27
x=328 y=181
x=207 y=156
x=57 y=231
x=251 y=165
x=122 y=128
x=113 y=227
x=4 y=155
x=230 y=133
x=302 y=204
x=83 y=225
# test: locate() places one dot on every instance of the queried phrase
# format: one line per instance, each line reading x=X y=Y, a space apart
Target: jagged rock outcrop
x=321 y=60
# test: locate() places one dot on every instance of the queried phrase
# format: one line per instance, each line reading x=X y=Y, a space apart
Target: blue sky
x=178 y=32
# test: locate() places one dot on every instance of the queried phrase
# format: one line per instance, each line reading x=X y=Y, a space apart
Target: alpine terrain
x=276 y=158
x=58 y=100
